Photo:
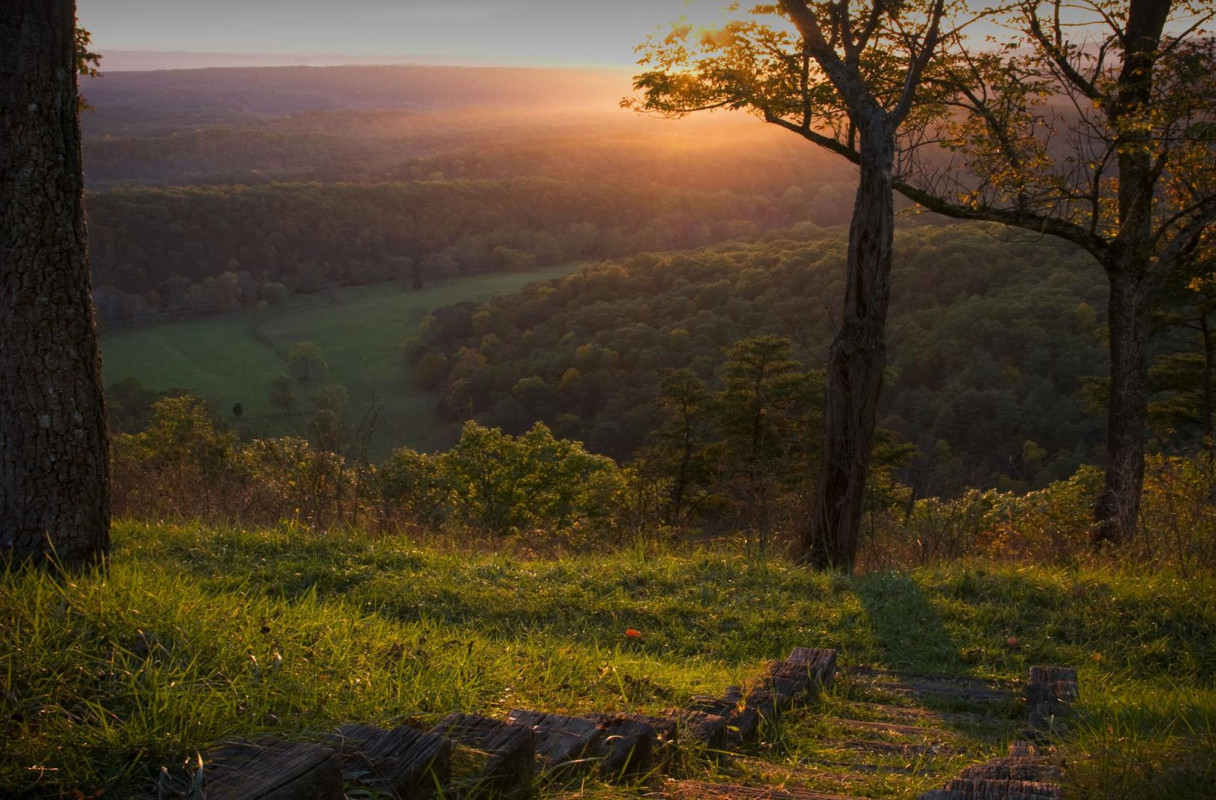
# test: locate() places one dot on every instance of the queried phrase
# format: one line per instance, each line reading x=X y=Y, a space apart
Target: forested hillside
x=295 y=180
x=991 y=339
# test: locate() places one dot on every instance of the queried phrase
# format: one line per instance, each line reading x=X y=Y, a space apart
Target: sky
x=585 y=33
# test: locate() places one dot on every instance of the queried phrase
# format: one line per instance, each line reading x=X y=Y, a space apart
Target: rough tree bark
x=857 y=358
x=1131 y=300
x=1134 y=276
x=54 y=492
x=859 y=351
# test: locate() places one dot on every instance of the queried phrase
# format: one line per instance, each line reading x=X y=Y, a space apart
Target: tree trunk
x=1133 y=277
x=856 y=361
x=1209 y=370
x=54 y=492
x=1118 y=506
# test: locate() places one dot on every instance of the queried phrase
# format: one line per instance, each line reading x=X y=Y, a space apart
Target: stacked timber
x=470 y=756
x=1027 y=773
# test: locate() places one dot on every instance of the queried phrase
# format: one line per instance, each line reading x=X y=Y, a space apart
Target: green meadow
x=232 y=358
x=195 y=634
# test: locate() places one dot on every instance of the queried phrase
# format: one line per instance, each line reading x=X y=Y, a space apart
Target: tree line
x=200 y=250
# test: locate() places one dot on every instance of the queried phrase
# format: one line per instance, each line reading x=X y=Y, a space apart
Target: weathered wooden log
x=1023 y=775
x=700 y=729
x=272 y=769
x=820 y=664
x=722 y=706
x=405 y=762
x=501 y=755
x=666 y=732
x=626 y=749
x=782 y=684
x=1049 y=692
x=561 y=742
x=1024 y=749
x=962 y=789
x=1014 y=769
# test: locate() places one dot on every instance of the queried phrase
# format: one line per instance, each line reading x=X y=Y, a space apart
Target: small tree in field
x=305 y=359
x=282 y=393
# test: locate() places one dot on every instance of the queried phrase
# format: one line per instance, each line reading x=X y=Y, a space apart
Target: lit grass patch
x=196 y=634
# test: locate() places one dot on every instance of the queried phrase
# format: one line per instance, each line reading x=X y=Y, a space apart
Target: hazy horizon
x=144 y=34
x=158 y=60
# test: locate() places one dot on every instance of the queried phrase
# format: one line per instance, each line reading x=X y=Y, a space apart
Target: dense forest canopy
x=990 y=341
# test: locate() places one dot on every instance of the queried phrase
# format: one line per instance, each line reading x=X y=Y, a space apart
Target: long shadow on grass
x=908 y=632
x=910 y=635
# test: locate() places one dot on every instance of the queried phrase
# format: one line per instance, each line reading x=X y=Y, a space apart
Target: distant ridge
x=152 y=60
x=279 y=90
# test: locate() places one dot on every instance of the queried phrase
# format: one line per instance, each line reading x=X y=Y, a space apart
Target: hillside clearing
x=231 y=358
x=199 y=634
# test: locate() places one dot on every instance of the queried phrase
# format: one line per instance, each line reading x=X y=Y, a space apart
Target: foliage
x=1183 y=374
x=459 y=195
x=1053 y=525
x=990 y=339
x=305 y=358
x=188 y=466
x=1180 y=512
x=501 y=484
x=768 y=419
x=88 y=63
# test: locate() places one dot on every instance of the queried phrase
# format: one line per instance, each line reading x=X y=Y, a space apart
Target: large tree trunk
x=1118 y=506
x=1133 y=276
x=856 y=362
x=54 y=492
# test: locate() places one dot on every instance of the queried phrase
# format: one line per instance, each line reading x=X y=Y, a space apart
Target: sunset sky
x=600 y=33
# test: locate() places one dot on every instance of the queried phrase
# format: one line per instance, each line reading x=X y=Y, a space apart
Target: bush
x=499 y=484
x=186 y=465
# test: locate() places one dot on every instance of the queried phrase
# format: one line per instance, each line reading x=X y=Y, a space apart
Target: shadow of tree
x=908 y=631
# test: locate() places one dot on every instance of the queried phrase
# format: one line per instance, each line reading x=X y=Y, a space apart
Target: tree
x=54 y=458
x=282 y=393
x=679 y=449
x=1095 y=125
x=304 y=357
x=763 y=410
x=846 y=77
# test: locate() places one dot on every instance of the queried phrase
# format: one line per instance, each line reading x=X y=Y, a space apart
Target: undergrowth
x=196 y=634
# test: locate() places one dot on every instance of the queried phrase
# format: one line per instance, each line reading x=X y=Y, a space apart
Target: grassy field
x=231 y=358
x=197 y=634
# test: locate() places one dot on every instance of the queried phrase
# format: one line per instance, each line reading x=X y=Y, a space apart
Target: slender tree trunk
x=857 y=359
x=1118 y=506
x=54 y=470
x=1209 y=396
x=1132 y=274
